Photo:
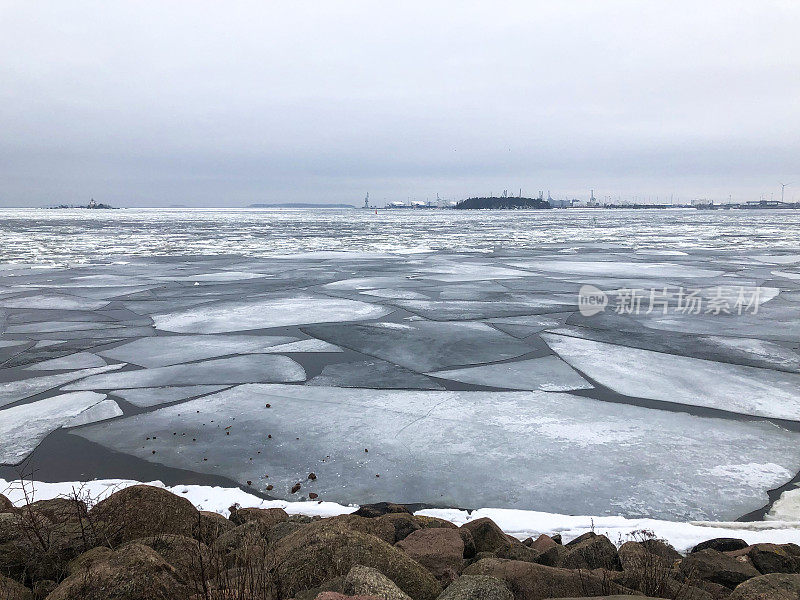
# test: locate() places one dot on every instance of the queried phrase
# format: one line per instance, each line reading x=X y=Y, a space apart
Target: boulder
x=338 y=596
x=11 y=526
x=439 y=550
x=542 y=543
x=488 y=537
x=5 y=504
x=134 y=572
x=581 y=538
x=85 y=560
x=324 y=550
x=531 y=581
x=267 y=517
x=716 y=567
x=518 y=551
x=241 y=545
x=594 y=552
x=60 y=509
x=477 y=587
x=42 y=588
x=377 y=526
x=635 y=555
x=12 y=590
x=211 y=525
x=553 y=557
x=191 y=558
x=772 y=558
x=365 y=581
x=721 y=545
x=661 y=548
x=654 y=581
x=143 y=511
x=378 y=509
x=775 y=586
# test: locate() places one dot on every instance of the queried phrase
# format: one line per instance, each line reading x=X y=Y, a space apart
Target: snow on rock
x=519 y=523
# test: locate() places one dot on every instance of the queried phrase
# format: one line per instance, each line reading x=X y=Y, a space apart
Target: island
x=503 y=202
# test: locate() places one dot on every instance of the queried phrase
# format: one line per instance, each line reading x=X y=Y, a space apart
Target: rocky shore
x=146 y=543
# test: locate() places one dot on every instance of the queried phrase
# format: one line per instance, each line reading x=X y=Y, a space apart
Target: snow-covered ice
x=23 y=427
x=542 y=450
x=263 y=313
x=13 y=391
x=548 y=373
x=248 y=368
x=683 y=380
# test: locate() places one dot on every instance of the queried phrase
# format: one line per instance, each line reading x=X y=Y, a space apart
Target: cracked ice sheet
x=23 y=427
x=54 y=302
x=467 y=310
x=537 y=450
x=682 y=380
x=146 y=397
x=163 y=351
x=548 y=374
x=267 y=312
x=617 y=268
x=424 y=346
x=13 y=391
x=249 y=368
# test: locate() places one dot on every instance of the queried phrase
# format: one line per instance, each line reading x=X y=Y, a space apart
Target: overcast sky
x=228 y=103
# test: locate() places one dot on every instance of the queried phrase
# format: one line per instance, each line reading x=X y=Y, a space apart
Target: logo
x=591 y=300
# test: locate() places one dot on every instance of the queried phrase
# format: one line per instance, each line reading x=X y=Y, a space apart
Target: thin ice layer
x=146 y=397
x=541 y=450
x=683 y=380
x=424 y=346
x=13 y=391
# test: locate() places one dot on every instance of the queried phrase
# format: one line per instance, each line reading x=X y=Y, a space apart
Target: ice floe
x=264 y=313
x=543 y=450
x=79 y=360
x=146 y=397
x=548 y=373
x=23 y=427
x=13 y=391
x=683 y=380
x=162 y=351
x=373 y=373
x=424 y=346
x=250 y=368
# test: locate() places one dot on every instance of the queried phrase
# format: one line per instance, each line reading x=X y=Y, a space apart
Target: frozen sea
x=431 y=357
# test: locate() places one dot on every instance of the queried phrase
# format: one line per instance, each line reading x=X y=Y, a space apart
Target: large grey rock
x=775 y=586
x=477 y=587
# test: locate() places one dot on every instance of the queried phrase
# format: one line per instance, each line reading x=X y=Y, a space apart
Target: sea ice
x=23 y=427
x=422 y=345
x=54 y=301
x=683 y=380
x=161 y=351
x=264 y=313
x=374 y=373
x=467 y=310
x=543 y=450
x=310 y=345
x=80 y=360
x=146 y=397
x=249 y=368
x=13 y=391
x=102 y=411
x=617 y=268
x=548 y=373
